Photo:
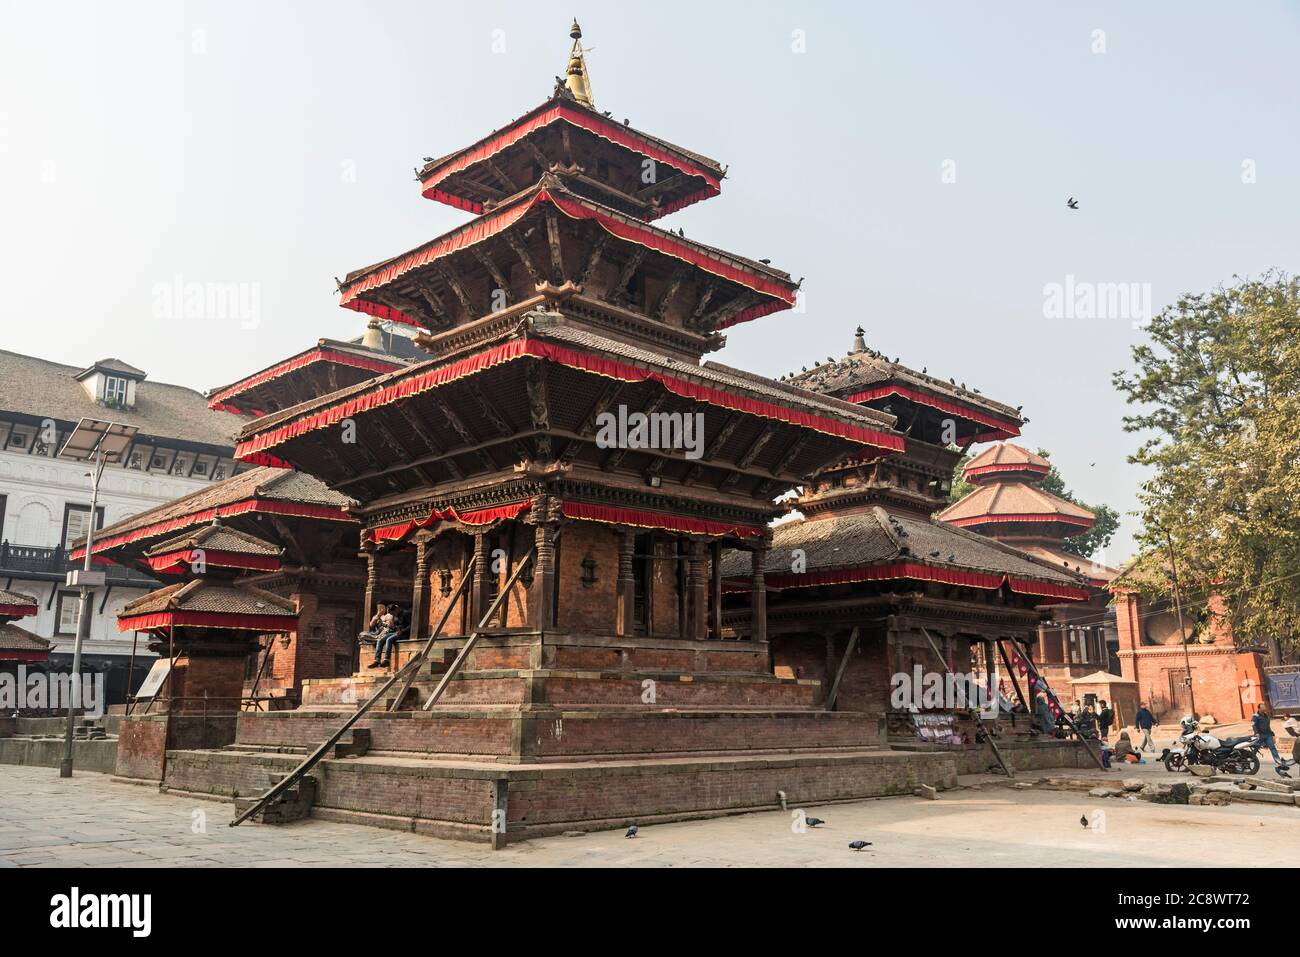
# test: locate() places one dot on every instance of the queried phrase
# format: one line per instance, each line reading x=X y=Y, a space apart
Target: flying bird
x=632 y=831
x=1072 y=203
x=859 y=845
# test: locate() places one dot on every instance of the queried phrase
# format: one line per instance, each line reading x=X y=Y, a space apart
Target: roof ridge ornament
x=576 y=78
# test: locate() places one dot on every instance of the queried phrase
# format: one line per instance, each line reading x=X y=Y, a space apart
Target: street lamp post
x=98 y=443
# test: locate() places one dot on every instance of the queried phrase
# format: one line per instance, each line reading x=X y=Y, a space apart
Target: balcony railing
x=36 y=562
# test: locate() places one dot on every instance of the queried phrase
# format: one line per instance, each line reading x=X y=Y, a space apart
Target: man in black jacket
x=1105 y=718
x=1144 y=721
x=1260 y=725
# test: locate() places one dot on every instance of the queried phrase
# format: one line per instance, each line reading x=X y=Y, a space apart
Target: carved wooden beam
x=498 y=277
x=521 y=251
x=502 y=177
x=451 y=277
x=597 y=251
x=458 y=426
x=618 y=291
x=436 y=307
x=542 y=160
x=538 y=408
x=715 y=446
x=434 y=446
x=615 y=457
x=587 y=429
x=703 y=304
x=553 y=240
x=674 y=284
x=797 y=446
x=760 y=443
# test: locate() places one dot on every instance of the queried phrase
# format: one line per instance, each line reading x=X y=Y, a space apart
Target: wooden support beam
x=521 y=252
x=485 y=259
x=618 y=292
x=553 y=241
x=839 y=674
x=674 y=284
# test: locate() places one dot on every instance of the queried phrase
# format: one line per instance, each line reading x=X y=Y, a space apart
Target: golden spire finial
x=576 y=78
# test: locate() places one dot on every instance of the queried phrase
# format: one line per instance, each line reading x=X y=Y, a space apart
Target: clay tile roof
x=17 y=599
x=1008 y=454
x=13 y=638
x=217 y=538
x=284 y=485
x=213 y=597
x=45 y=389
x=1013 y=499
x=1060 y=558
x=872 y=537
x=860 y=370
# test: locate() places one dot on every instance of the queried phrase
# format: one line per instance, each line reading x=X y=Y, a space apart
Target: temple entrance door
x=1180 y=698
x=642 y=575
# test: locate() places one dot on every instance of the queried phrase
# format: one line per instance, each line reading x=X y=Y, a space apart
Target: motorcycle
x=1238 y=755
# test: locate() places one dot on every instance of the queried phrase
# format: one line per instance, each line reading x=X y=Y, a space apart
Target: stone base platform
x=457 y=799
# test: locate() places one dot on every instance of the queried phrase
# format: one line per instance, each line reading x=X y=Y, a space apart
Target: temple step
x=354 y=745
x=293 y=805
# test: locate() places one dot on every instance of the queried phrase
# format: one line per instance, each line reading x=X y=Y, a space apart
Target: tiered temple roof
x=250 y=501
x=218 y=547
x=19 y=644
x=870 y=520
x=1009 y=506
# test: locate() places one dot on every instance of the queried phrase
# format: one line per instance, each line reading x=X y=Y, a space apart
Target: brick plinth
x=456 y=799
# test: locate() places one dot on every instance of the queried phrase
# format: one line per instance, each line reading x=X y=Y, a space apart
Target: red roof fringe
x=641 y=519
x=484 y=516
x=1002 y=428
x=922 y=572
x=562 y=111
x=298 y=362
x=1020 y=517
x=265 y=624
x=539 y=348
x=265 y=506
x=782 y=291
x=179 y=562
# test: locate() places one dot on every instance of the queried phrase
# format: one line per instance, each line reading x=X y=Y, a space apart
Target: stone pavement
x=96 y=822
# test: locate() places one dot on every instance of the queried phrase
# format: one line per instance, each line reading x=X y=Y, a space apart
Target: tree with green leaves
x=1218 y=389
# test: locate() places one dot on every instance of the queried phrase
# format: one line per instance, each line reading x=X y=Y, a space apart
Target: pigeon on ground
x=859 y=845
x=1072 y=203
x=1083 y=819
x=631 y=831
x=813 y=821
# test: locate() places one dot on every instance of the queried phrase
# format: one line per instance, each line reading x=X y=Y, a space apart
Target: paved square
x=93 y=821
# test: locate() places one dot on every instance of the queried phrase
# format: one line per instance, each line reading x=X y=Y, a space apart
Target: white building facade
x=182 y=446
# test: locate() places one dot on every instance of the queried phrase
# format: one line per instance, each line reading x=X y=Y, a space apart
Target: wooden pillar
x=479 y=600
x=683 y=590
x=697 y=591
x=758 y=595
x=715 y=606
x=371 y=555
x=626 y=584
x=542 y=601
x=420 y=592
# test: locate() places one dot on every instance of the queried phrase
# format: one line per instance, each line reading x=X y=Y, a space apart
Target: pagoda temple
x=17 y=644
x=578 y=507
x=1009 y=506
x=867 y=584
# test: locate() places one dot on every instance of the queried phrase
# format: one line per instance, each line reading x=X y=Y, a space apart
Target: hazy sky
x=272 y=144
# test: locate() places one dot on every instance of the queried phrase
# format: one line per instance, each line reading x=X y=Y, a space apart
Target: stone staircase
x=294 y=804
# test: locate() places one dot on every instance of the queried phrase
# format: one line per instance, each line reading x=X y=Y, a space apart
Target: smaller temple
x=18 y=645
x=1009 y=506
x=209 y=625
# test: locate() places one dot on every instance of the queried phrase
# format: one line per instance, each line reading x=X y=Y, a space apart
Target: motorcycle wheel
x=1248 y=764
x=1174 y=762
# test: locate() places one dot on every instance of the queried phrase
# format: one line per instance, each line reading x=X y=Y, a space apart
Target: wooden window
x=115 y=391
x=76 y=523
x=68 y=613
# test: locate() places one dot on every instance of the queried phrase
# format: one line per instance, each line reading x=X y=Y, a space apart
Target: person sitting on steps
x=397 y=626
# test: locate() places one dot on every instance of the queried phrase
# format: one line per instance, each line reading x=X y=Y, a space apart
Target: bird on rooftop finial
x=859 y=340
x=576 y=78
